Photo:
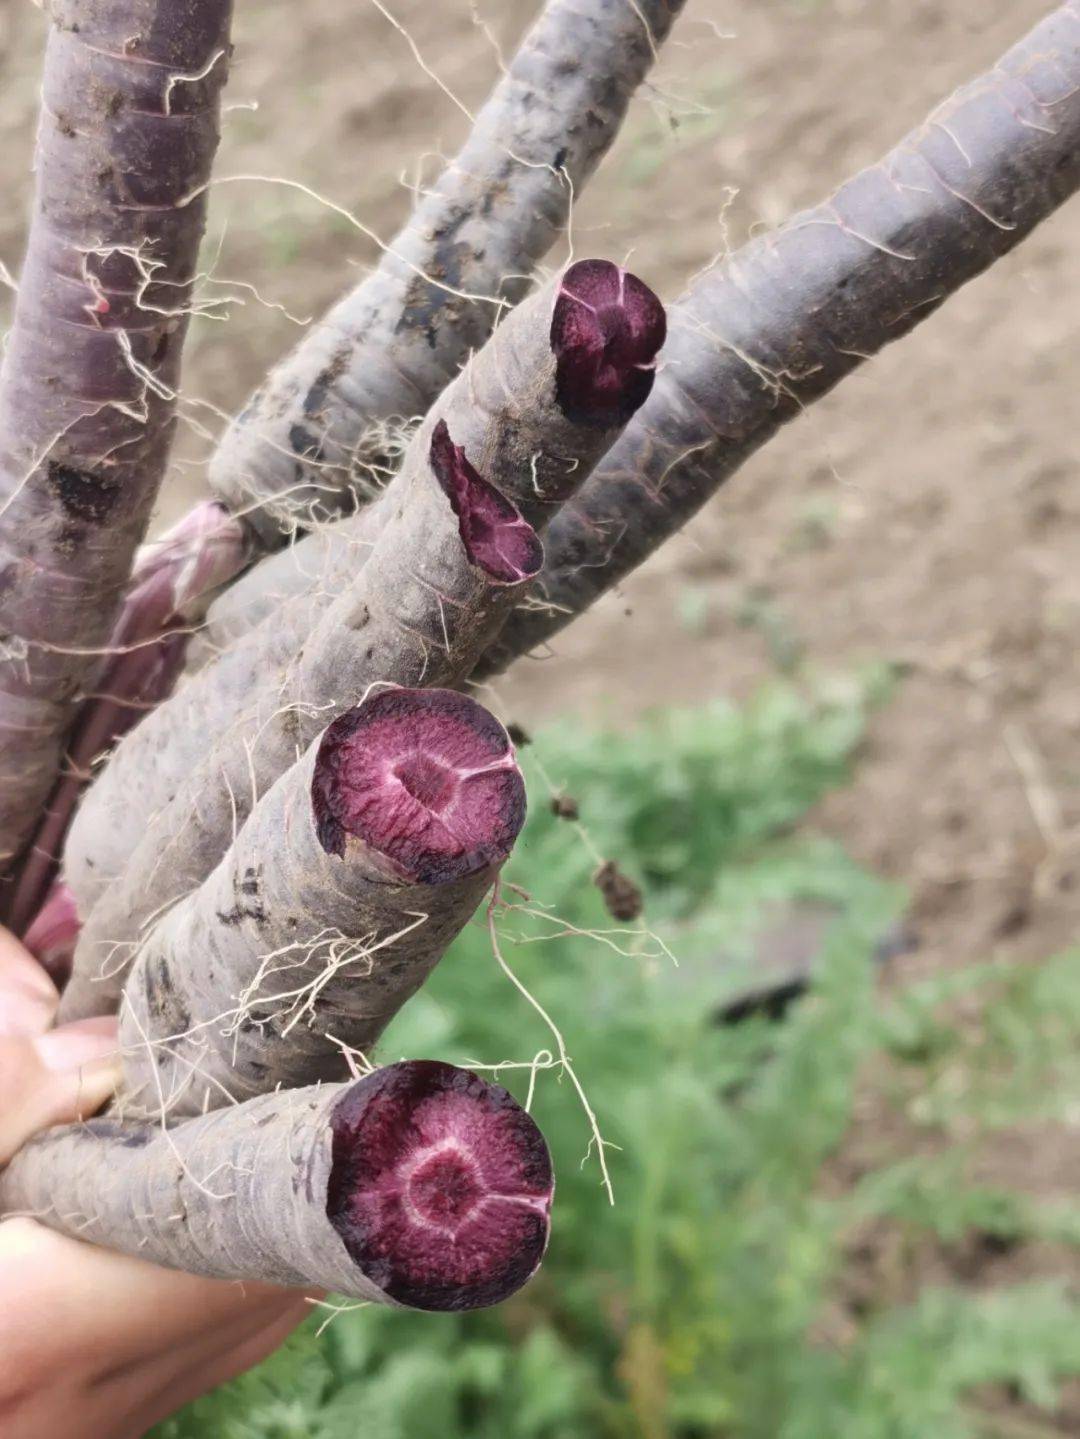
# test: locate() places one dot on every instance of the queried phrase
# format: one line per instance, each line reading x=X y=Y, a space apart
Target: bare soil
x=927 y=512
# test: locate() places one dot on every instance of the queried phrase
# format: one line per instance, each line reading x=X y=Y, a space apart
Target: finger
x=134 y=1400
x=92 y=1302
x=124 y=1339
x=219 y=1366
x=138 y=1341
x=78 y=1043
x=285 y=1307
x=28 y=997
x=55 y=1079
x=280 y=1313
x=155 y=1385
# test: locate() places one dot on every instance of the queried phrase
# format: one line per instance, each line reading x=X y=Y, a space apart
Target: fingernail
x=97 y=1082
x=80 y=1043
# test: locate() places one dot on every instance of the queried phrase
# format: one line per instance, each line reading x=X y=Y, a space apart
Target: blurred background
x=835 y=725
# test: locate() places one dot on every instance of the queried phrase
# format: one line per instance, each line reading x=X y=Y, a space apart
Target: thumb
x=55 y=1078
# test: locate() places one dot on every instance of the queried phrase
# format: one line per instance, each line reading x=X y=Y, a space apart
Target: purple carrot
x=340 y=894
x=779 y=323
x=430 y=591
x=507 y=197
x=128 y=131
x=606 y=326
x=309 y=441
x=172 y=577
x=420 y=1186
x=52 y=936
x=420 y=613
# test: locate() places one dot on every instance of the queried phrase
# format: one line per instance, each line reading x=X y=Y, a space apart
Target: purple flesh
x=440 y=1186
x=426 y=778
x=606 y=329
x=496 y=537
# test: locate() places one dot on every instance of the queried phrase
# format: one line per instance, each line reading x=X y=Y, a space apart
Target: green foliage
x=908 y=1376
x=815 y=525
x=934 y=1194
x=1020 y=1063
x=690 y=1308
x=759 y=610
x=274 y=1401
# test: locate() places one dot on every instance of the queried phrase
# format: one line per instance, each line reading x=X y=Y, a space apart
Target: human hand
x=93 y=1342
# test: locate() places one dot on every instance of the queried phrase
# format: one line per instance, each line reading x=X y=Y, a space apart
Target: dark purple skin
x=496 y=537
x=440 y=1187
x=426 y=778
x=52 y=936
x=133 y=683
x=606 y=329
x=129 y=128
